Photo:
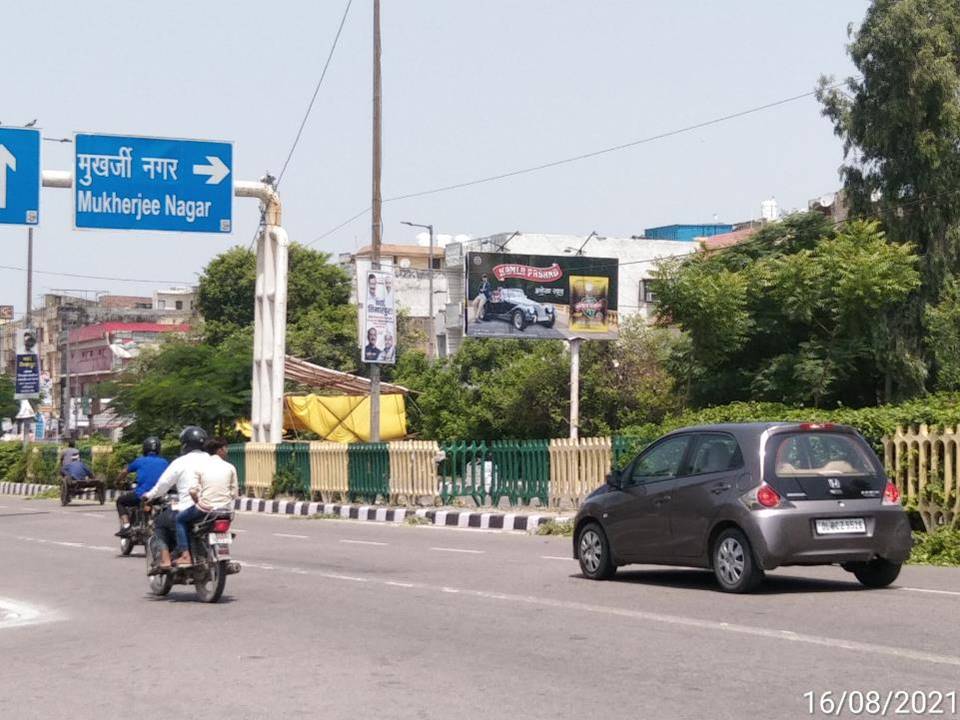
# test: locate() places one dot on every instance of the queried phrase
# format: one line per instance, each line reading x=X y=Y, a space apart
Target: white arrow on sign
x=7 y=160
x=216 y=170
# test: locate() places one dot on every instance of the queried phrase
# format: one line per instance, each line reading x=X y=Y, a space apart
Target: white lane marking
x=554 y=557
x=656 y=618
x=287 y=535
x=62 y=543
x=98 y=516
x=15 y=614
x=929 y=590
x=364 y=542
x=237 y=530
x=458 y=550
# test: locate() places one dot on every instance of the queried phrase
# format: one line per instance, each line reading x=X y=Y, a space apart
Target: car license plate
x=220 y=539
x=841 y=526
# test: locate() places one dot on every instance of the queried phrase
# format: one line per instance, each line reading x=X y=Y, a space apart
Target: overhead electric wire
x=582 y=156
x=95 y=277
x=306 y=115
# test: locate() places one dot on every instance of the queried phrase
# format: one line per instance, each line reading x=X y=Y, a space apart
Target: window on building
x=179 y=304
x=648 y=291
x=436 y=263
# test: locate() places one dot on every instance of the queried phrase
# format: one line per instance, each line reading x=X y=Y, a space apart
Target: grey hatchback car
x=744 y=498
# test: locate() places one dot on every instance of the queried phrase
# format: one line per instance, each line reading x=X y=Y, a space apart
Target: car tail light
x=767 y=496
x=891 y=495
x=816 y=426
x=221 y=525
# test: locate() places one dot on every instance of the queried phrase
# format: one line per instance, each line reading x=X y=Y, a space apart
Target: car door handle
x=720 y=488
x=662 y=500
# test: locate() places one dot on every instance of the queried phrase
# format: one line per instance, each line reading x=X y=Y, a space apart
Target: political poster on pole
x=27 y=377
x=378 y=316
x=541 y=296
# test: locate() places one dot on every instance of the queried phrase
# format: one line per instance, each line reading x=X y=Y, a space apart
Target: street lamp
x=431 y=334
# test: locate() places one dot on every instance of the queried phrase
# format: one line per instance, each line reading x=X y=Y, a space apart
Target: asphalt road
x=339 y=619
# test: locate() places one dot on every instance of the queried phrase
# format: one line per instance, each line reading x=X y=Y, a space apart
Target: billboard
x=376 y=295
x=541 y=296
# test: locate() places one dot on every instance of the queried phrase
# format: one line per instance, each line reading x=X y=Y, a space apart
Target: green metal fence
x=237 y=456
x=521 y=471
x=368 y=471
x=296 y=457
x=466 y=471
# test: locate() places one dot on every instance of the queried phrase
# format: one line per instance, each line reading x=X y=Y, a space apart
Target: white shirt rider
x=184 y=473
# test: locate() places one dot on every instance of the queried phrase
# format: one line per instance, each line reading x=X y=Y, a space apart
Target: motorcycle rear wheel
x=210 y=588
x=159 y=585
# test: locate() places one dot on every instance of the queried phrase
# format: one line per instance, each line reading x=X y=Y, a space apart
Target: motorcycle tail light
x=221 y=526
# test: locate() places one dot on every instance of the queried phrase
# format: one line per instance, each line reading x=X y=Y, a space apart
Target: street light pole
x=431 y=330
x=376 y=217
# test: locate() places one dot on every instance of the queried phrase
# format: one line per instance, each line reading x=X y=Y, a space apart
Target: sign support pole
x=270 y=310
x=574 y=388
x=28 y=319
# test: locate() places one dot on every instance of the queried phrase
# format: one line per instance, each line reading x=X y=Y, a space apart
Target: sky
x=470 y=89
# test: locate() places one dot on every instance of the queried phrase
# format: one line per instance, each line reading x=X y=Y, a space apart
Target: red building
x=101 y=352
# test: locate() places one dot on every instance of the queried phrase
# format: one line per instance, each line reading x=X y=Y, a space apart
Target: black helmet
x=151 y=446
x=192 y=438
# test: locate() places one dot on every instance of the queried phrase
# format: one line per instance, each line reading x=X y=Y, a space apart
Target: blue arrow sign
x=19 y=176
x=135 y=183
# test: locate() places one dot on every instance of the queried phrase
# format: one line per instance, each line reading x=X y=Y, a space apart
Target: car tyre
x=593 y=550
x=734 y=565
x=878 y=573
x=518 y=320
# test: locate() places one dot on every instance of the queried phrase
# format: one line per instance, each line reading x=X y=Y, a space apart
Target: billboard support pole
x=574 y=388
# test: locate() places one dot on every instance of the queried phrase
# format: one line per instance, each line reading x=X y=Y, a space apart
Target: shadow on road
x=693 y=579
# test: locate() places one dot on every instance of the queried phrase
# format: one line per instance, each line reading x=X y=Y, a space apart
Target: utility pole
x=28 y=319
x=377 y=221
x=574 y=388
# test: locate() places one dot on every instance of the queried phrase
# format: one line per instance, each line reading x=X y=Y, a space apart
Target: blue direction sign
x=135 y=183
x=19 y=176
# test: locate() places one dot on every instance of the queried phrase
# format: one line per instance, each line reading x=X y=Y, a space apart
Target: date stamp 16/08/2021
x=881 y=703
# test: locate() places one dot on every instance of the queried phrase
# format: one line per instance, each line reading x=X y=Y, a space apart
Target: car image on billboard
x=540 y=296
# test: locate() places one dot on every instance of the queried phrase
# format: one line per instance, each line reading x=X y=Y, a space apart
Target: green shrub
x=941 y=547
x=286 y=481
x=556 y=527
x=10 y=454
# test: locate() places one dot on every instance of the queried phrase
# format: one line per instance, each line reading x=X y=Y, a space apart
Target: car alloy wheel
x=591 y=550
x=519 y=322
x=730 y=561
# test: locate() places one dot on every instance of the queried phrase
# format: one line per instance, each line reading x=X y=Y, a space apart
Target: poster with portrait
x=377 y=314
x=541 y=296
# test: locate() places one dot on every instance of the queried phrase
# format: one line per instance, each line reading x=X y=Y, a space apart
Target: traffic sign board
x=136 y=183
x=27 y=376
x=19 y=176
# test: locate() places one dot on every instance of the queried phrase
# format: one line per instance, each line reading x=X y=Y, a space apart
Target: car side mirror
x=615 y=479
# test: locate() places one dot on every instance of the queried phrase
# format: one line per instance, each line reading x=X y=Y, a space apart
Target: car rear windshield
x=820 y=454
x=822 y=465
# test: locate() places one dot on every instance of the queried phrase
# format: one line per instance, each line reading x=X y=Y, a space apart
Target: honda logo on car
x=528 y=272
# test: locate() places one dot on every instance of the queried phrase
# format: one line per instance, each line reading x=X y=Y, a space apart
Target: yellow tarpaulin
x=341 y=418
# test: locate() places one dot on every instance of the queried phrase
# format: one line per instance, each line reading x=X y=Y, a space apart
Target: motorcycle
x=210 y=544
x=141 y=528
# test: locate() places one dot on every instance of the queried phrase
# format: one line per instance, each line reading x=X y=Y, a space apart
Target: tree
x=900 y=125
x=321 y=323
x=187 y=383
x=8 y=406
x=802 y=321
x=943 y=326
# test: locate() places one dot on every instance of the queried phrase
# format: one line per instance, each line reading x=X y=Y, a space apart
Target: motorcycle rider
x=216 y=490
x=184 y=473
x=148 y=469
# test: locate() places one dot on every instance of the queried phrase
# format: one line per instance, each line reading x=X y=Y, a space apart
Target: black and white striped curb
x=372 y=513
x=10 y=488
x=30 y=489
